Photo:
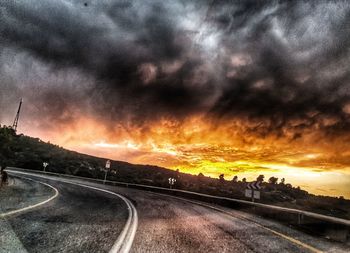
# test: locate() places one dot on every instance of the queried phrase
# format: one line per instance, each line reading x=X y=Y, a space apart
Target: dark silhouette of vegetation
x=221 y=178
x=273 y=180
x=283 y=180
x=30 y=153
x=260 y=178
x=3 y=177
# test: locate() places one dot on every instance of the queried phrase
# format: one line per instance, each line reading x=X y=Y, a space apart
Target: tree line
x=272 y=180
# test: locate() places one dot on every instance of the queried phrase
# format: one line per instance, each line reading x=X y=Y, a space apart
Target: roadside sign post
x=252 y=190
x=108 y=166
x=256 y=194
x=248 y=193
x=45 y=164
x=171 y=182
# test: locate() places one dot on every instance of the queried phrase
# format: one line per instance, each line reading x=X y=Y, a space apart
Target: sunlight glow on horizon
x=194 y=148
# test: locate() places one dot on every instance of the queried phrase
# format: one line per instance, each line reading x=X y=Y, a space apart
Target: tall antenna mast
x=15 y=122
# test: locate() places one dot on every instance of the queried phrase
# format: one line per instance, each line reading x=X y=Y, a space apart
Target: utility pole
x=15 y=122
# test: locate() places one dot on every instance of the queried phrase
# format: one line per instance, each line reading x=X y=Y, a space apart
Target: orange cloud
x=211 y=147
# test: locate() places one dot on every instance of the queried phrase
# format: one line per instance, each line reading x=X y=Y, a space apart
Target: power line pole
x=15 y=122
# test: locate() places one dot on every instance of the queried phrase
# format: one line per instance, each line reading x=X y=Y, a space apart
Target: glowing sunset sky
x=235 y=87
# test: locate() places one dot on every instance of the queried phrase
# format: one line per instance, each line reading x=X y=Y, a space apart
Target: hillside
x=30 y=153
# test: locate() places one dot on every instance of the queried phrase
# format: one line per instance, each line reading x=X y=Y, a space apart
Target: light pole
x=108 y=166
x=45 y=164
x=171 y=182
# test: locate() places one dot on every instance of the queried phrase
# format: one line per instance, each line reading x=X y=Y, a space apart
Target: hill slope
x=30 y=153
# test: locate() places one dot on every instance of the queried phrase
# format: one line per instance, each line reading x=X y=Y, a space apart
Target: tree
x=260 y=178
x=244 y=180
x=221 y=178
x=273 y=180
x=200 y=175
x=7 y=138
x=235 y=179
x=283 y=180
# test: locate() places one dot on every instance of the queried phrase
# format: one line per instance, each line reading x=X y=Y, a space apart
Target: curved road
x=87 y=220
x=79 y=219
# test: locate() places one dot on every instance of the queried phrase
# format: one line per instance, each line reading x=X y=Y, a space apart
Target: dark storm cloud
x=284 y=63
x=298 y=73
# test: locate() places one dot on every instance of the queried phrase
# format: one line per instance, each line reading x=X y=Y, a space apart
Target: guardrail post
x=300 y=218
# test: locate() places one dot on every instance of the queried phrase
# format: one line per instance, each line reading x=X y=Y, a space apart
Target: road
x=22 y=193
x=82 y=219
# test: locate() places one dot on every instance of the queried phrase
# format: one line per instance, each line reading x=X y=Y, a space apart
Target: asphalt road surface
x=21 y=193
x=87 y=220
x=78 y=220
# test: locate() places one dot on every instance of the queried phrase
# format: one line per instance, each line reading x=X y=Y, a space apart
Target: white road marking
x=25 y=209
x=125 y=239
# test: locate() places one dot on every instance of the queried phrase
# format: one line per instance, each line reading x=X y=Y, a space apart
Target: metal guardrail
x=302 y=213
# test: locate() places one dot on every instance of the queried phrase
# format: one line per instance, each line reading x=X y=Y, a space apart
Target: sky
x=234 y=87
